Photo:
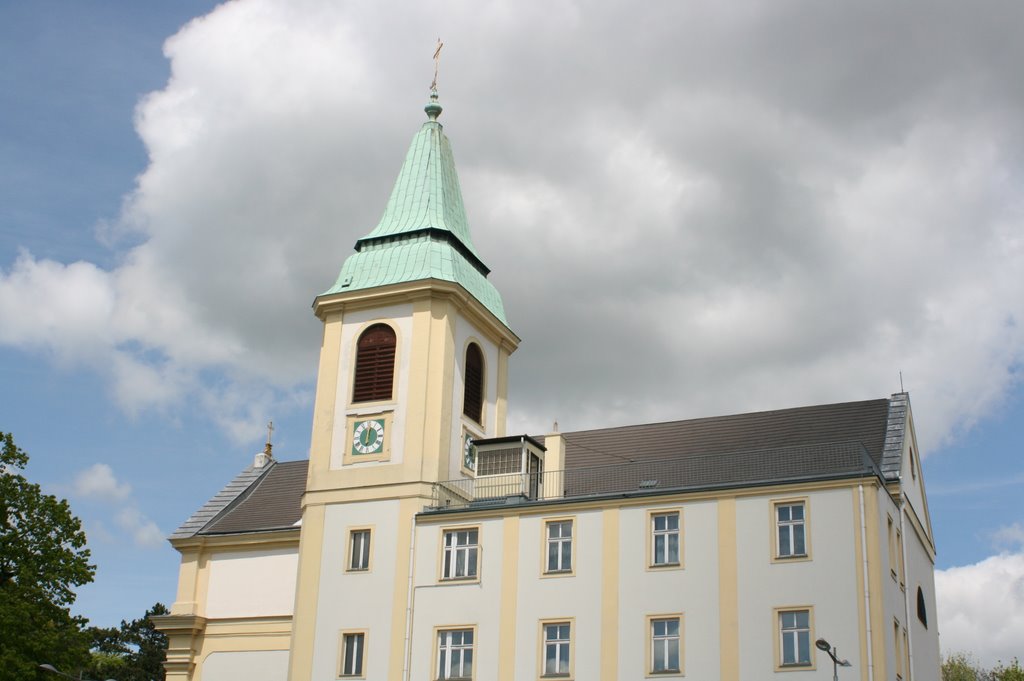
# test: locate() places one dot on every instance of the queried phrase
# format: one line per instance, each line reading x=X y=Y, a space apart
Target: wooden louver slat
x=375 y=364
x=473 y=394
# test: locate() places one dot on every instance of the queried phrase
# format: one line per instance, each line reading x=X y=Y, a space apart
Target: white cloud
x=756 y=217
x=98 y=482
x=981 y=608
x=143 y=531
x=1009 y=537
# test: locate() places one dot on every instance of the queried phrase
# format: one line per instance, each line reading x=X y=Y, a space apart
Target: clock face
x=368 y=437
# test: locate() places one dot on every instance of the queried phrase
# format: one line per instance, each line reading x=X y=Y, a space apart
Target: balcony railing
x=745 y=468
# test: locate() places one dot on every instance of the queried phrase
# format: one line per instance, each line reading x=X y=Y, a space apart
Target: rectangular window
x=900 y=568
x=665 y=538
x=790 y=523
x=500 y=462
x=896 y=647
x=460 y=553
x=795 y=638
x=891 y=536
x=557 y=648
x=455 y=654
x=359 y=550
x=352 y=650
x=665 y=645
x=559 y=546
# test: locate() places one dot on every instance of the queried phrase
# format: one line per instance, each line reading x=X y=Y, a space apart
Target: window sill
x=459 y=580
x=796 y=667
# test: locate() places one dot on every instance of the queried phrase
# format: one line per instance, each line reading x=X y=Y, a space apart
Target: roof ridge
x=721 y=417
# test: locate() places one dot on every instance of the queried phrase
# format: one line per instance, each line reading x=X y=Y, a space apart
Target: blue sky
x=158 y=256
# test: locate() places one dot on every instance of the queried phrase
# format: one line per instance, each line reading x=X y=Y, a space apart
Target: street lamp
x=53 y=670
x=822 y=644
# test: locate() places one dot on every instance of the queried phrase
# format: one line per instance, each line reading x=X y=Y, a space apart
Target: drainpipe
x=867 y=583
x=409 y=603
x=906 y=590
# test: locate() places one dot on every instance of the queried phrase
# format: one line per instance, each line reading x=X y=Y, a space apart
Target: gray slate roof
x=821 y=441
x=258 y=500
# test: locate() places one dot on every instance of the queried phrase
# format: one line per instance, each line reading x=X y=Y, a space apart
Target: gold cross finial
x=437 y=61
x=270 y=432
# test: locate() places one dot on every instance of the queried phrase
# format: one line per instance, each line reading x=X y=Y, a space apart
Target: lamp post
x=53 y=670
x=822 y=644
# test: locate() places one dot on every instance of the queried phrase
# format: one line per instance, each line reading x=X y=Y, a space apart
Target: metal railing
x=689 y=472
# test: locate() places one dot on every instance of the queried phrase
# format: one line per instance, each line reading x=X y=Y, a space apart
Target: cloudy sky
x=763 y=205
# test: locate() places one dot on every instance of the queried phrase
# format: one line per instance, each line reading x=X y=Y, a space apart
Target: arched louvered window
x=473 y=395
x=375 y=364
x=922 y=611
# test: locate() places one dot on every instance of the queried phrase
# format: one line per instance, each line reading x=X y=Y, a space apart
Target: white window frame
x=789 y=638
x=454 y=657
x=561 y=645
x=353 y=667
x=789 y=551
x=359 y=543
x=661 y=557
x=661 y=645
x=559 y=543
x=460 y=553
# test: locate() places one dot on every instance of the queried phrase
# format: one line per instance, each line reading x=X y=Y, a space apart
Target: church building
x=421 y=541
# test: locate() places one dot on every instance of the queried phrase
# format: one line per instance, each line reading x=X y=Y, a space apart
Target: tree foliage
x=42 y=559
x=963 y=667
x=133 y=652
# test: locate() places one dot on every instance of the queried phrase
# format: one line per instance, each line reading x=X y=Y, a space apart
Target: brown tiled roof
x=270 y=503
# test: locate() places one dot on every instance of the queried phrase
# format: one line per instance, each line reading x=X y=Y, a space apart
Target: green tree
x=1012 y=673
x=42 y=559
x=134 y=652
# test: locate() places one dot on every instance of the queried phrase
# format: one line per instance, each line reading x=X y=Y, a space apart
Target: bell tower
x=413 y=364
x=416 y=344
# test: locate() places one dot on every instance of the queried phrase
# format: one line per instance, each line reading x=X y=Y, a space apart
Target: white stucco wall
x=400 y=317
x=356 y=600
x=252 y=665
x=924 y=639
x=252 y=583
x=692 y=590
x=827 y=583
x=457 y=604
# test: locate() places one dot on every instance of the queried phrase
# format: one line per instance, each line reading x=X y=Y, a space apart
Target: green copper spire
x=424 y=233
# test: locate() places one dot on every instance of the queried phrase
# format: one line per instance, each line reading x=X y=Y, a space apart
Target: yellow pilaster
x=728 y=597
x=509 y=595
x=879 y=627
x=188 y=584
x=610 y=595
x=325 y=402
x=501 y=400
x=401 y=604
x=300 y=665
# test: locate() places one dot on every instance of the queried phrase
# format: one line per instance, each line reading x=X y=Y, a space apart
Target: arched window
x=375 y=364
x=473 y=395
x=922 y=611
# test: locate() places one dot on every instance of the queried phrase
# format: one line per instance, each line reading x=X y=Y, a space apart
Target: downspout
x=906 y=591
x=409 y=602
x=867 y=584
